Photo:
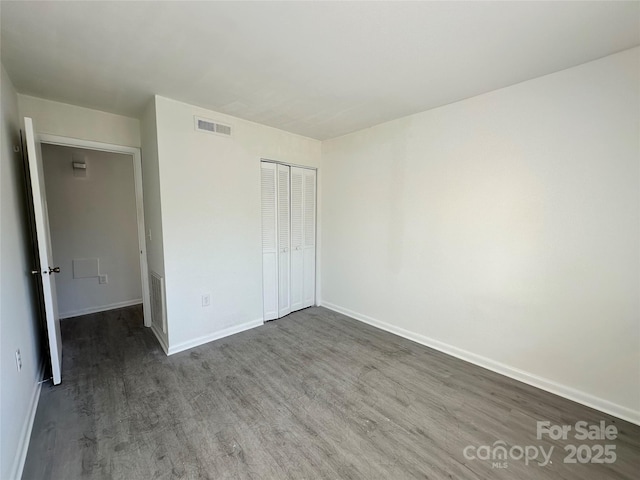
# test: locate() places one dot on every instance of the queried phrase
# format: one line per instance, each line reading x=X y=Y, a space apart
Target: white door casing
x=137 y=174
x=309 y=239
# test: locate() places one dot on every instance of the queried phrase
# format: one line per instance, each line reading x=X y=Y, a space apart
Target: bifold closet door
x=288 y=238
x=269 y=241
x=297 y=238
x=284 y=239
x=303 y=237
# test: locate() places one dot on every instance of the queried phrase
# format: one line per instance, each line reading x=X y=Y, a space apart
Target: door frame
x=136 y=157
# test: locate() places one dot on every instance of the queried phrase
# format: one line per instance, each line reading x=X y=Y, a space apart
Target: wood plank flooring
x=313 y=395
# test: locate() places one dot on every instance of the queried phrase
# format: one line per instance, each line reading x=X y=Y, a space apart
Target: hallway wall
x=92 y=215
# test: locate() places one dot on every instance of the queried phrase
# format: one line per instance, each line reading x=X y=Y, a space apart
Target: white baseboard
x=565 y=391
x=25 y=434
x=103 y=308
x=214 y=336
x=159 y=335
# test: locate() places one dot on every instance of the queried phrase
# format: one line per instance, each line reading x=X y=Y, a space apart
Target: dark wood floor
x=312 y=395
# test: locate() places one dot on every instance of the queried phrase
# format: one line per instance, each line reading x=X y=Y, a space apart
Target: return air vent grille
x=209 y=126
x=158 y=312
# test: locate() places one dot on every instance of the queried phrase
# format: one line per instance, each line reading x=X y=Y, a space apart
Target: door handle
x=50 y=271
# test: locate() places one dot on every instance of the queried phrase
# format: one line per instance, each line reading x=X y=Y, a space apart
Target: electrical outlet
x=206 y=300
x=103 y=279
x=18 y=360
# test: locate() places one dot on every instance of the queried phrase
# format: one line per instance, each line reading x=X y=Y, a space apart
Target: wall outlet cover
x=18 y=360
x=103 y=279
x=206 y=300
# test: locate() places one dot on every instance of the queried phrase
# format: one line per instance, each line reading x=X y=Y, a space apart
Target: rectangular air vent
x=209 y=126
x=157 y=293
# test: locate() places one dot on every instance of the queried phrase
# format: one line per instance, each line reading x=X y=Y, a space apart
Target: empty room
x=299 y=240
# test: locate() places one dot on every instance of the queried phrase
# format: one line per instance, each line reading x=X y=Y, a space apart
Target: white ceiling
x=319 y=69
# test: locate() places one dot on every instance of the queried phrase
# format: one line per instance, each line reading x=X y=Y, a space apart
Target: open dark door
x=44 y=270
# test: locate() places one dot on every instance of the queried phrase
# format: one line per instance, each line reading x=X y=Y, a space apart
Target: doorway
x=288 y=238
x=96 y=222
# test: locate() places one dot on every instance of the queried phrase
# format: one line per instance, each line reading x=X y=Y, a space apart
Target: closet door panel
x=269 y=242
x=309 y=238
x=297 y=238
x=284 y=241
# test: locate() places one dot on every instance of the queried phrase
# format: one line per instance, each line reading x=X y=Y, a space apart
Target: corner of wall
x=153 y=201
x=475 y=216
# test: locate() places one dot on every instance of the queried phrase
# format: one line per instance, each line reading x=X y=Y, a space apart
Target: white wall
x=93 y=216
x=18 y=315
x=503 y=228
x=151 y=187
x=211 y=218
x=55 y=118
x=152 y=199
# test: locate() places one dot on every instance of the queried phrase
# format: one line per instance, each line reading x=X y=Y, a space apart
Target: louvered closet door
x=309 y=238
x=269 y=241
x=297 y=238
x=284 y=233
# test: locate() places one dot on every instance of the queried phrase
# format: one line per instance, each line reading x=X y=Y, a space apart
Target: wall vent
x=209 y=126
x=158 y=312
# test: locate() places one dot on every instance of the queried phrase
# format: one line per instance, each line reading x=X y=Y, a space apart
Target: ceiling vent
x=209 y=126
